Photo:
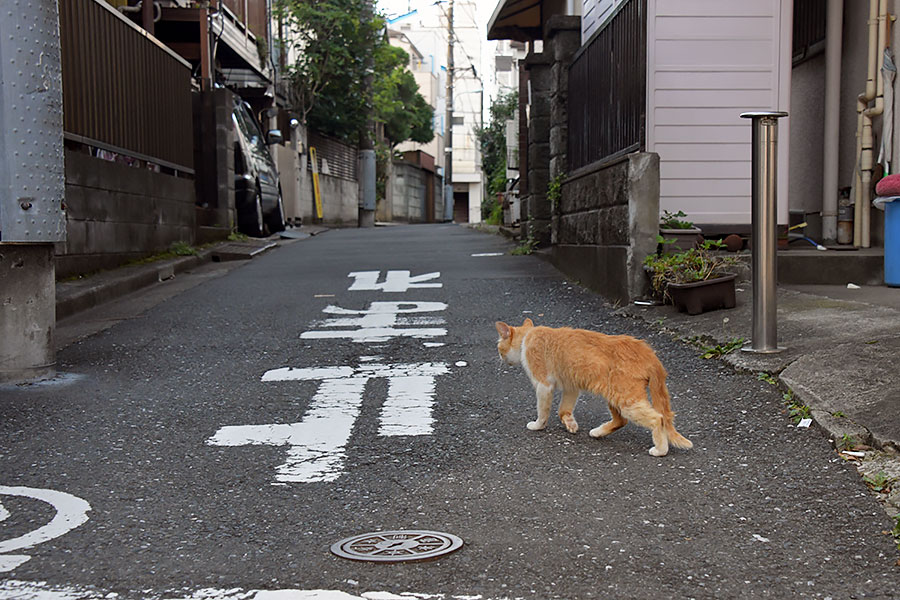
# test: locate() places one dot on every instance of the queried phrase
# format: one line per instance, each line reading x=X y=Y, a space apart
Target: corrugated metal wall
x=121 y=89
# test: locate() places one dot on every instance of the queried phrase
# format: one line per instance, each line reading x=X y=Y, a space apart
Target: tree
x=493 y=148
x=325 y=82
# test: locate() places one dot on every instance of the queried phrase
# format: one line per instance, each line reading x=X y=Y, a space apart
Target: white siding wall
x=707 y=62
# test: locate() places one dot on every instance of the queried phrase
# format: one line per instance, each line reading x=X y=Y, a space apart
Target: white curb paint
x=379 y=323
x=395 y=281
x=317 y=444
x=71 y=512
x=27 y=590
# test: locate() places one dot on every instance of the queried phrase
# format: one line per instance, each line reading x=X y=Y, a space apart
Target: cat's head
x=510 y=343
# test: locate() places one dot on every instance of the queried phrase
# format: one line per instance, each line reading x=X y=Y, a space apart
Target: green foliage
x=879 y=482
x=847 y=441
x=326 y=83
x=796 y=411
x=554 y=190
x=526 y=247
x=674 y=220
x=721 y=350
x=695 y=264
x=767 y=378
x=495 y=214
x=492 y=139
x=398 y=103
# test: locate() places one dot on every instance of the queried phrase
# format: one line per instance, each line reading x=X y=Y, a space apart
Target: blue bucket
x=892 y=243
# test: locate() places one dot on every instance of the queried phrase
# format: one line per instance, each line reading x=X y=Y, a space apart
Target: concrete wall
x=118 y=213
x=607 y=223
x=407 y=193
x=340 y=198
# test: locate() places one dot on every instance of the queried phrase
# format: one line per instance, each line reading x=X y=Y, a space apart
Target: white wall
x=707 y=62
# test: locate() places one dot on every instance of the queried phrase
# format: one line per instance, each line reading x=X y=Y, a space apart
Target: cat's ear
x=504 y=330
x=528 y=323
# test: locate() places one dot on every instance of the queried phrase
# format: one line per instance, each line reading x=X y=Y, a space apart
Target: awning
x=520 y=20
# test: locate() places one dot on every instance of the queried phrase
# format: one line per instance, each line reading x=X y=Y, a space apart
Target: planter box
x=701 y=296
x=685 y=239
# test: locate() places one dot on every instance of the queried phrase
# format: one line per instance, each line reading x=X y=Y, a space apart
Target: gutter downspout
x=865 y=137
x=834 y=42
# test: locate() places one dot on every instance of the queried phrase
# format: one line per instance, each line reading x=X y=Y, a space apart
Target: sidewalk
x=76 y=295
x=841 y=359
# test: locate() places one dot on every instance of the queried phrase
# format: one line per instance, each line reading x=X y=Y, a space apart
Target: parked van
x=257 y=192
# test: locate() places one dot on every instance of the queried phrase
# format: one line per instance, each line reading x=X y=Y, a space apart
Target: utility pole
x=366 y=135
x=32 y=188
x=448 y=128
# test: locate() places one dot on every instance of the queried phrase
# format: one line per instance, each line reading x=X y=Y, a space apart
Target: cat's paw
x=536 y=425
x=571 y=424
x=655 y=452
x=598 y=432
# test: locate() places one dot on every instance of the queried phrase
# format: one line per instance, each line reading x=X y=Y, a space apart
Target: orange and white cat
x=617 y=367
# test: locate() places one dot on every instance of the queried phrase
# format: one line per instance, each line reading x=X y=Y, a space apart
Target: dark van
x=257 y=192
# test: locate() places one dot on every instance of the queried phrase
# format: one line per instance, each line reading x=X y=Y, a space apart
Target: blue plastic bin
x=892 y=243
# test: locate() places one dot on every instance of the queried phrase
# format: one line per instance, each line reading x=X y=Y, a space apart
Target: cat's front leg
x=544 y=400
x=566 y=408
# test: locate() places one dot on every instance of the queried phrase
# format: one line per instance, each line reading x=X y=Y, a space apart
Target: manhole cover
x=395 y=546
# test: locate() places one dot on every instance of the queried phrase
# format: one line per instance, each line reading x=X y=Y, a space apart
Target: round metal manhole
x=396 y=546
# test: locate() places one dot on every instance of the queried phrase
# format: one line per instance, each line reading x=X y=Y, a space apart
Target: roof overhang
x=520 y=20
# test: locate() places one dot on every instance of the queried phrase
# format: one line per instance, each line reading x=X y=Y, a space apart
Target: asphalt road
x=151 y=427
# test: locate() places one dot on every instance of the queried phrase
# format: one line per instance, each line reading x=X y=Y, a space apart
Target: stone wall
x=408 y=193
x=116 y=213
x=607 y=222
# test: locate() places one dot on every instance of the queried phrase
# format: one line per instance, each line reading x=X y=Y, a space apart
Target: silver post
x=764 y=215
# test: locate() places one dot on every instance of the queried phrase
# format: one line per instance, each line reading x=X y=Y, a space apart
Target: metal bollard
x=764 y=182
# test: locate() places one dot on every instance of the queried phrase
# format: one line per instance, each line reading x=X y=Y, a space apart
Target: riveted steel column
x=764 y=214
x=32 y=186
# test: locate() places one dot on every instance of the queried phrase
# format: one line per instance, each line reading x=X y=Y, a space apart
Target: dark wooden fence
x=607 y=89
x=341 y=158
x=122 y=90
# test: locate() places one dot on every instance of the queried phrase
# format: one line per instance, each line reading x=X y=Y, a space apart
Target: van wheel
x=275 y=221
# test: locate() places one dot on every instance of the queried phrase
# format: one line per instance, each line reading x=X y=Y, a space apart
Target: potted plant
x=694 y=280
x=680 y=233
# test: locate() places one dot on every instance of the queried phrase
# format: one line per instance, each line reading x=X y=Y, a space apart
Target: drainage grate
x=396 y=546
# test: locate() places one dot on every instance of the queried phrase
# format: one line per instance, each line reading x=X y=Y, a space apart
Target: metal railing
x=607 y=89
x=124 y=91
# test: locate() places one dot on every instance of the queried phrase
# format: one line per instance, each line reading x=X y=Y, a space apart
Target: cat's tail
x=661 y=402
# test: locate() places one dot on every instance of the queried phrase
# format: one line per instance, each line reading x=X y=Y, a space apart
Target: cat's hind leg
x=544 y=399
x=607 y=428
x=566 y=408
x=642 y=413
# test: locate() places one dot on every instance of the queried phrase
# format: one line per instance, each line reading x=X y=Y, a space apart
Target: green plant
x=182 y=249
x=796 y=411
x=767 y=378
x=838 y=414
x=554 y=191
x=879 y=482
x=847 y=441
x=721 y=350
x=237 y=236
x=674 y=220
x=527 y=246
x=696 y=264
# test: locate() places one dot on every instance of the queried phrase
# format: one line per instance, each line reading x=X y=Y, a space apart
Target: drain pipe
x=834 y=42
x=865 y=137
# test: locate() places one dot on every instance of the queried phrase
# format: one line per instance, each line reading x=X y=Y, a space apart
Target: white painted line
x=489 y=254
x=71 y=512
x=395 y=281
x=318 y=442
x=379 y=323
x=29 y=590
x=408 y=408
x=433 y=344
x=4 y=514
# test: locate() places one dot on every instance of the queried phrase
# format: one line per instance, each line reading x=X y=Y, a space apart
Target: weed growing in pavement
x=896 y=531
x=879 y=482
x=847 y=441
x=767 y=378
x=796 y=411
x=237 y=236
x=722 y=349
x=838 y=414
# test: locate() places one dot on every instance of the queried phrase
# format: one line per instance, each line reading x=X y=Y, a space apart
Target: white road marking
x=29 y=590
x=381 y=322
x=395 y=281
x=317 y=444
x=71 y=512
x=489 y=254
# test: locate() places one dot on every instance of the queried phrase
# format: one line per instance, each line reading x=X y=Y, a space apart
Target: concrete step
x=864 y=266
